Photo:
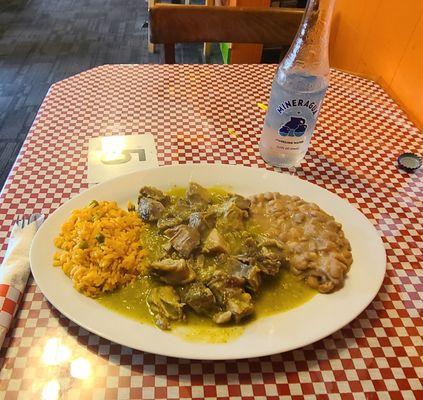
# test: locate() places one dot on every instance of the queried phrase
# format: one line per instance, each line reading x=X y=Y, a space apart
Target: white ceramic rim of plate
x=314 y=320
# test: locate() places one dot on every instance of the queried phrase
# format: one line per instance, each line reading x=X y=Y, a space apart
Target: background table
x=190 y=109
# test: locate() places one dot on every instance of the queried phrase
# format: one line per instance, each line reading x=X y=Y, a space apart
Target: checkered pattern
x=189 y=110
x=9 y=299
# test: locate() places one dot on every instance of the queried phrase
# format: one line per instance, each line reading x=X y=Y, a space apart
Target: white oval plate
x=314 y=320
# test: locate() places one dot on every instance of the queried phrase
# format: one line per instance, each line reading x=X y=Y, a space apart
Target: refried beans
x=314 y=244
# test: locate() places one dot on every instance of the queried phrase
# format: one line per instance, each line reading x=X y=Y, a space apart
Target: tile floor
x=44 y=41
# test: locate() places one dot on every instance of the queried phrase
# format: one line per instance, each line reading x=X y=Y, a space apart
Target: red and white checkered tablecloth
x=189 y=109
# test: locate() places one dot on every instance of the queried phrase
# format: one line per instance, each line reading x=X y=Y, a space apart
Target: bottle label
x=297 y=121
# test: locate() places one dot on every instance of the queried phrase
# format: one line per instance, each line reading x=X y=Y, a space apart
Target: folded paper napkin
x=14 y=273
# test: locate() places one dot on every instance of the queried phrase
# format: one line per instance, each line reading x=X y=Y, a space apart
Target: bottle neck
x=309 y=50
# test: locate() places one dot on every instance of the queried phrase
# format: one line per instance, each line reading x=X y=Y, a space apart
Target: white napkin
x=14 y=273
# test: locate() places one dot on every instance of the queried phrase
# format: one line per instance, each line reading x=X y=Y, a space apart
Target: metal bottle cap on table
x=409 y=162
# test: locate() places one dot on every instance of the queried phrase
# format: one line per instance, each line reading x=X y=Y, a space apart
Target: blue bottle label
x=298 y=115
x=298 y=118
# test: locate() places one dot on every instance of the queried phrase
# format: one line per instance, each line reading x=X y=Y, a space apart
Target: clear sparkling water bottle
x=298 y=90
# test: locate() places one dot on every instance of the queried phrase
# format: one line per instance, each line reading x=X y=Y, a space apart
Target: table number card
x=113 y=156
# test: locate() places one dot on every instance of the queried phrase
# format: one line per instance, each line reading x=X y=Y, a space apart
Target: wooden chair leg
x=169 y=53
x=207 y=46
x=206 y=51
x=151 y=46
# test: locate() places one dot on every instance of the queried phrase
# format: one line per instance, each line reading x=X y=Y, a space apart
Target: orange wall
x=247 y=53
x=383 y=40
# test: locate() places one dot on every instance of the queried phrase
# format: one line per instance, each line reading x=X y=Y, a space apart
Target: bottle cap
x=409 y=162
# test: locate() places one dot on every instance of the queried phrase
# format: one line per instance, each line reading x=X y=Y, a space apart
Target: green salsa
x=277 y=294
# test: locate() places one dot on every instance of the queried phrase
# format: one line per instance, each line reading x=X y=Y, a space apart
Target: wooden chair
x=170 y=24
x=150 y=3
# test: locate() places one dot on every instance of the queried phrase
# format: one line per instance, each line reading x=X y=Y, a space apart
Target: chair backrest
x=170 y=24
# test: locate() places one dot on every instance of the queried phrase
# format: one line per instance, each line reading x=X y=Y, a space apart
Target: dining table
x=214 y=114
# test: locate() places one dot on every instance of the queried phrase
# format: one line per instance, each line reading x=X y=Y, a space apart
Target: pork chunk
x=215 y=243
x=153 y=193
x=231 y=296
x=165 y=306
x=199 y=297
x=150 y=210
x=184 y=239
x=173 y=272
x=198 y=196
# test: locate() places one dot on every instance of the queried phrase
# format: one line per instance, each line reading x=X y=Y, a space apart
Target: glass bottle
x=298 y=89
